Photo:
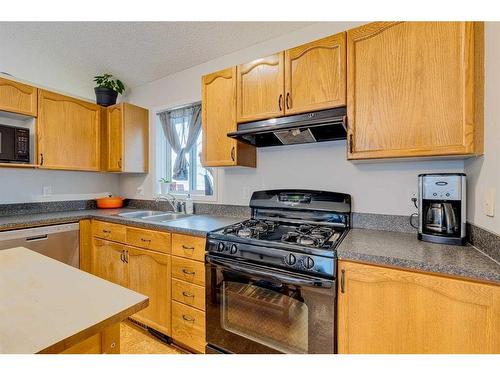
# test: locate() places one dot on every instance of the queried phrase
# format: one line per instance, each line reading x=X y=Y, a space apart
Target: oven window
x=270 y=314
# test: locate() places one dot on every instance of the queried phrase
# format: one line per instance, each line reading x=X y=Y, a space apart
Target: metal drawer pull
x=187 y=247
x=187 y=318
x=106 y=231
x=145 y=240
x=187 y=294
x=342 y=281
x=188 y=272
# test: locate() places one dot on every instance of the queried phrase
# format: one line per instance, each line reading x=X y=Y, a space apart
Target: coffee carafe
x=442 y=208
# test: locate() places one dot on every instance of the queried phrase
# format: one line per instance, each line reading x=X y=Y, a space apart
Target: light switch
x=489 y=202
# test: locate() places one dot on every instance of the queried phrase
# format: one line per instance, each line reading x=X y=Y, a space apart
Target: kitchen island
x=49 y=307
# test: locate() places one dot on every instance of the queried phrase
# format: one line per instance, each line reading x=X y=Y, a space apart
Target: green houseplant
x=107 y=89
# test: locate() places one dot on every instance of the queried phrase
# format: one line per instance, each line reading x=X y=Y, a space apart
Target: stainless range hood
x=320 y=126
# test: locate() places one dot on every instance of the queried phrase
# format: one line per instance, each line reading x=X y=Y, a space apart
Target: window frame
x=164 y=163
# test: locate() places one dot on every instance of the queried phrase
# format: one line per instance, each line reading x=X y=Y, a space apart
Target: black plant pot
x=105 y=96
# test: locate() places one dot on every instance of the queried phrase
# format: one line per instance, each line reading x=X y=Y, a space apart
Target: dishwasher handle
x=42 y=237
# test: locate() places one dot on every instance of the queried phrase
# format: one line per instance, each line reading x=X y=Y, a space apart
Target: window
x=195 y=179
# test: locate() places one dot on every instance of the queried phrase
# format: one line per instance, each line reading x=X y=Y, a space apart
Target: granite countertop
x=197 y=225
x=42 y=314
x=406 y=251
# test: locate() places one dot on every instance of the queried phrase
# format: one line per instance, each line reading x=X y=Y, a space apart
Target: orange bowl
x=109 y=202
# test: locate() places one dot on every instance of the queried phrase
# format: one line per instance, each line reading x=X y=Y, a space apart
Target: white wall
x=26 y=185
x=484 y=172
x=381 y=187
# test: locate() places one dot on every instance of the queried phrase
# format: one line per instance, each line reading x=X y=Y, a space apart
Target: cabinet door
x=108 y=263
x=114 y=138
x=18 y=98
x=415 y=89
x=149 y=274
x=135 y=139
x=315 y=75
x=260 y=88
x=382 y=310
x=218 y=107
x=68 y=133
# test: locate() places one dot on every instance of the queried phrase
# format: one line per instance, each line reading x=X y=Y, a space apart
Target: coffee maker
x=442 y=208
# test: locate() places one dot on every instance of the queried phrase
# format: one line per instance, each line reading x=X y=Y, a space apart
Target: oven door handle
x=274 y=275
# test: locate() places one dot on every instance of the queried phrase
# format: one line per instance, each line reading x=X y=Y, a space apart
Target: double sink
x=153 y=216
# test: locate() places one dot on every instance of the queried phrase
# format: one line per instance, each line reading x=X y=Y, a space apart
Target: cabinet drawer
x=188 y=326
x=189 y=294
x=188 y=270
x=109 y=231
x=149 y=239
x=188 y=247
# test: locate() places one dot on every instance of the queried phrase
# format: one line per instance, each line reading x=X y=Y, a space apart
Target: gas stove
x=296 y=230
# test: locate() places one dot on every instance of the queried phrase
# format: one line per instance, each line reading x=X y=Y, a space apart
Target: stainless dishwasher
x=60 y=242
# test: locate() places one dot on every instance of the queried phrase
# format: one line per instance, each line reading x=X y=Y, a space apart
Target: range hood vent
x=320 y=126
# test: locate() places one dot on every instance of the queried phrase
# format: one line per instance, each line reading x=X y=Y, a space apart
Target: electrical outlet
x=46 y=190
x=489 y=202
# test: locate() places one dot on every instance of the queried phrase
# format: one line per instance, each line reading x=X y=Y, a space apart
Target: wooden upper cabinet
x=260 y=88
x=315 y=75
x=415 y=89
x=18 y=98
x=389 y=311
x=125 y=139
x=68 y=133
x=218 y=118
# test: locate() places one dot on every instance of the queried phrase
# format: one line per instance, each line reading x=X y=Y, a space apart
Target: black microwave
x=14 y=144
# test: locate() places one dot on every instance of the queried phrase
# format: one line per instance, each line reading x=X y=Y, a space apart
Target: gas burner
x=309 y=241
x=245 y=232
x=322 y=232
x=251 y=228
x=304 y=228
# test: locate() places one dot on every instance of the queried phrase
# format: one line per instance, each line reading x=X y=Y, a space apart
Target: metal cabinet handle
x=351 y=143
x=187 y=318
x=107 y=231
x=187 y=294
x=187 y=247
x=287 y=100
x=125 y=256
x=188 y=272
x=41 y=159
x=145 y=240
x=119 y=163
x=232 y=153
x=342 y=281
x=122 y=256
x=279 y=102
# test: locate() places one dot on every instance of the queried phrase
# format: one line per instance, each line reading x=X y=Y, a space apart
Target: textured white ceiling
x=136 y=52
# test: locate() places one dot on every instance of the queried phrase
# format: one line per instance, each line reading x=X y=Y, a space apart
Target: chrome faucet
x=177 y=205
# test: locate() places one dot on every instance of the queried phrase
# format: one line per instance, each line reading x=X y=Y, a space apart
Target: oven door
x=256 y=309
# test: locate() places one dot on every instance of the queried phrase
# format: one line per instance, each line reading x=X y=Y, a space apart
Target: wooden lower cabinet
x=108 y=263
x=383 y=310
x=188 y=326
x=149 y=274
x=105 y=342
x=175 y=285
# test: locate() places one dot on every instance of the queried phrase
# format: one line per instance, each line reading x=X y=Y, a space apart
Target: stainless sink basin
x=140 y=214
x=164 y=217
x=153 y=216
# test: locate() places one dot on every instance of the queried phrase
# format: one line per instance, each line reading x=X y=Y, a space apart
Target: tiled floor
x=136 y=340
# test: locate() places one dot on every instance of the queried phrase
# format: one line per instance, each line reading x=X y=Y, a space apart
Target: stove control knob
x=290 y=259
x=221 y=247
x=233 y=249
x=308 y=263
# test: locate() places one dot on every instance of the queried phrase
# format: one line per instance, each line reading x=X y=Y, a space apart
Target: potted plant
x=165 y=185
x=107 y=89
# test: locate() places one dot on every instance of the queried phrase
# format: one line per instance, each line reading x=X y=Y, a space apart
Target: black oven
x=14 y=144
x=259 y=309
